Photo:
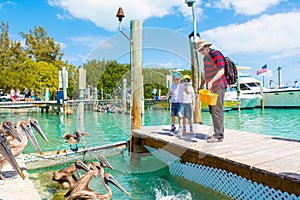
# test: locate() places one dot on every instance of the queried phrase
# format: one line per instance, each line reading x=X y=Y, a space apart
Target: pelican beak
x=111 y=179
x=9 y=127
x=80 y=165
x=6 y=152
x=35 y=124
x=104 y=162
x=25 y=126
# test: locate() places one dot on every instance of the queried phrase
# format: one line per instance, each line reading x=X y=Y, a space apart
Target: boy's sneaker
x=172 y=130
x=179 y=133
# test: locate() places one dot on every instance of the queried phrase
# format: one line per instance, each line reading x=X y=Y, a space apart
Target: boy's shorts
x=187 y=110
x=176 y=110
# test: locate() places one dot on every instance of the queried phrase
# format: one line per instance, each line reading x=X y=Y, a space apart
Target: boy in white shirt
x=176 y=92
x=188 y=103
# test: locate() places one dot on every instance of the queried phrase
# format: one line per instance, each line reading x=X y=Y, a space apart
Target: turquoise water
x=105 y=128
x=148 y=179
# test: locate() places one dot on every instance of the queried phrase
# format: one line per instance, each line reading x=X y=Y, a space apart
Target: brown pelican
x=100 y=165
x=81 y=190
x=66 y=177
x=8 y=156
x=74 y=138
x=10 y=132
x=35 y=124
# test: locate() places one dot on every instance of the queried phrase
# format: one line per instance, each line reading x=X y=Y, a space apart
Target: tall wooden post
x=136 y=81
x=136 y=72
x=196 y=77
x=124 y=94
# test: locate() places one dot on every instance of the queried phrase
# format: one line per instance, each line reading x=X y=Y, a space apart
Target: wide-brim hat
x=202 y=43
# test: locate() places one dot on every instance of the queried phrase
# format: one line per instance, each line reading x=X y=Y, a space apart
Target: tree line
x=35 y=64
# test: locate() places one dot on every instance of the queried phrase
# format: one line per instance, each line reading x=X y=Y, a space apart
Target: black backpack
x=230 y=71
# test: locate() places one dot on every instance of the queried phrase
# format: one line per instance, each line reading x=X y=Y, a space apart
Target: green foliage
x=35 y=66
x=40 y=47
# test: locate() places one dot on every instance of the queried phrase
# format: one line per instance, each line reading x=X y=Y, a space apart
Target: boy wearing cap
x=176 y=92
x=214 y=66
x=188 y=103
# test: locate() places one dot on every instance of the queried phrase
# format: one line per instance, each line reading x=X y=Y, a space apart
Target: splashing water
x=164 y=191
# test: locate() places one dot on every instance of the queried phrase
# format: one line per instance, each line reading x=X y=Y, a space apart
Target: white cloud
x=246 y=7
x=103 y=12
x=269 y=34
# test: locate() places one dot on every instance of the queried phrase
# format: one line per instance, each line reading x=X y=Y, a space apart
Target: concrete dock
x=15 y=188
x=272 y=161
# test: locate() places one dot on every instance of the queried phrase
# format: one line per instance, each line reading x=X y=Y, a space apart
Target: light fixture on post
x=190 y=3
x=120 y=15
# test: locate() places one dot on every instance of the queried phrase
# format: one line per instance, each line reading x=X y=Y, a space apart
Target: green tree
x=40 y=47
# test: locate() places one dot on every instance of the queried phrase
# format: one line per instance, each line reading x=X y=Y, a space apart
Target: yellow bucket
x=208 y=97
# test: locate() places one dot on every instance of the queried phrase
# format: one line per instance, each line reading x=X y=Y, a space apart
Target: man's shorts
x=176 y=109
x=187 y=110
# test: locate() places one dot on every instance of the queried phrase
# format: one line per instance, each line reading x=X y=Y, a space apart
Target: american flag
x=262 y=70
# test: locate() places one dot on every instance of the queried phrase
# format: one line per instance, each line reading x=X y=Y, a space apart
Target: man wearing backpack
x=214 y=69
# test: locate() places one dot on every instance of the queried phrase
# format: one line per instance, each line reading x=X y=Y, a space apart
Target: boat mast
x=279 y=76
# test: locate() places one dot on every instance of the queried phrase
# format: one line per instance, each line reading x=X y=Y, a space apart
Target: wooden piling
x=136 y=76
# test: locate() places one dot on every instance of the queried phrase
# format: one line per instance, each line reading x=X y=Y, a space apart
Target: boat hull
x=282 y=98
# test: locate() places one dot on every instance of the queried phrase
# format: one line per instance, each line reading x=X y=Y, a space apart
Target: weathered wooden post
x=196 y=77
x=136 y=74
x=124 y=95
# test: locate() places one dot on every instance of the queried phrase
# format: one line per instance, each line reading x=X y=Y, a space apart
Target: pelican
x=74 y=138
x=100 y=165
x=35 y=124
x=7 y=154
x=66 y=177
x=10 y=132
x=81 y=190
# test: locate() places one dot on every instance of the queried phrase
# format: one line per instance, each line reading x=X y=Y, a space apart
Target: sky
x=251 y=32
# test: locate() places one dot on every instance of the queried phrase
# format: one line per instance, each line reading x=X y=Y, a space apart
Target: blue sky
x=251 y=32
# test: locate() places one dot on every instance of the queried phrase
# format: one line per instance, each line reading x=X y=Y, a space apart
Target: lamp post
x=135 y=73
x=196 y=69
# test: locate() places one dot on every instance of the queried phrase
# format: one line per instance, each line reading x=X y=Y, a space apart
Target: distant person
x=32 y=94
x=18 y=94
x=188 y=103
x=214 y=66
x=176 y=93
x=26 y=93
x=13 y=94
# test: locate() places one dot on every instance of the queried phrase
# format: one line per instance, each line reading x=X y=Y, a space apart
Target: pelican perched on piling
x=74 y=138
x=66 y=177
x=6 y=154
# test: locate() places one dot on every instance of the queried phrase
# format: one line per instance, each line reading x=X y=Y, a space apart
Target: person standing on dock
x=188 y=103
x=176 y=92
x=26 y=93
x=214 y=68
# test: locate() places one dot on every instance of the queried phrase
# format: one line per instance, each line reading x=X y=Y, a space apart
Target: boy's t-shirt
x=177 y=93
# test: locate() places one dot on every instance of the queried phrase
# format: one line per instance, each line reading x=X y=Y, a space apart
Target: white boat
x=250 y=95
x=282 y=97
x=286 y=97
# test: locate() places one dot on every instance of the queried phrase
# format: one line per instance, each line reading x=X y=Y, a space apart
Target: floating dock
x=14 y=187
x=267 y=160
